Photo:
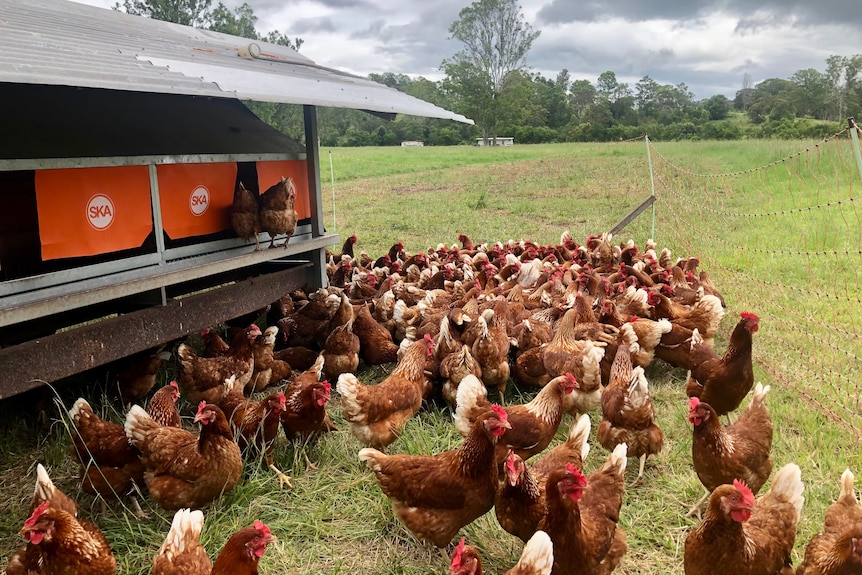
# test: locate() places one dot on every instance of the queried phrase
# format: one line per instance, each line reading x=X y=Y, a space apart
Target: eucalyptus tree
x=496 y=40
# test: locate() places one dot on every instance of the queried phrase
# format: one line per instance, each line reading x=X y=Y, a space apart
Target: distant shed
x=125 y=139
x=498 y=141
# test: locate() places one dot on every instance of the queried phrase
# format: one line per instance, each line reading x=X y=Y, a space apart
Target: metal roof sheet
x=59 y=42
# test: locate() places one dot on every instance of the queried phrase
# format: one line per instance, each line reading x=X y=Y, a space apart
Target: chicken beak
x=505 y=425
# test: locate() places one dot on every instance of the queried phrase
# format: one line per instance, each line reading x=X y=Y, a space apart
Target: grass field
x=336 y=520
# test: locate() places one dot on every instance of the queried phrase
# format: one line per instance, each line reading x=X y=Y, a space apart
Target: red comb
x=261 y=527
x=205 y=332
x=500 y=412
x=510 y=461
x=747 y=495
x=693 y=402
x=201 y=406
x=36 y=514
x=748 y=315
x=633 y=319
x=281 y=398
x=456 y=557
x=574 y=471
x=174 y=384
x=327 y=387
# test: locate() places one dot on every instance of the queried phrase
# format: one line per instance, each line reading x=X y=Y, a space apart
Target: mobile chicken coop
x=123 y=141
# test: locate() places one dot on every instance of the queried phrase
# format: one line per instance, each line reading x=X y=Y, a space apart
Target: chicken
x=649 y=333
x=244 y=217
x=256 y=425
x=723 y=381
x=262 y=349
x=537 y=558
x=582 y=515
x=837 y=550
x=738 y=451
x=454 y=367
x=375 y=341
x=627 y=411
x=675 y=347
x=214 y=345
x=137 y=374
x=705 y=315
x=520 y=501
x=204 y=378
x=109 y=465
x=582 y=358
x=744 y=537
x=491 y=348
x=304 y=416
x=533 y=424
x=47 y=491
x=377 y=413
x=465 y=560
x=242 y=552
x=341 y=351
x=184 y=469
x=276 y=212
x=182 y=552
x=162 y=406
x=60 y=544
x=346 y=249
x=573 y=450
x=436 y=495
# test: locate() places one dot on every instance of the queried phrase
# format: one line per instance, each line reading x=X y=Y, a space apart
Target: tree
x=645 y=94
x=187 y=12
x=717 y=106
x=496 y=40
x=582 y=95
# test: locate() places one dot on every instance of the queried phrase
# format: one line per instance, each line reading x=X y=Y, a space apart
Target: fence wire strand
x=782 y=240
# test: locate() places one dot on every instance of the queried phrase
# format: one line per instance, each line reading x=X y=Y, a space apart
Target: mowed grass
x=336 y=520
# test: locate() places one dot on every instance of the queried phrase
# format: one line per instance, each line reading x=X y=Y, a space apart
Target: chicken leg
x=698 y=507
x=283 y=478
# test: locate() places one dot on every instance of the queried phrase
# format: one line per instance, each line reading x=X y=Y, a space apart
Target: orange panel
x=270 y=173
x=196 y=198
x=89 y=211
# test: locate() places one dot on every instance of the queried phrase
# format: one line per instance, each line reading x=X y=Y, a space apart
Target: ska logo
x=100 y=212
x=199 y=201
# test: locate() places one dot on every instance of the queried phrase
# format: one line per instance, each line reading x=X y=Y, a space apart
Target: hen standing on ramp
x=277 y=215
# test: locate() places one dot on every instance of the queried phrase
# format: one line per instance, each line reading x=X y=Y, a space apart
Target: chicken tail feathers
x=371 y=457
x=185 y=530
x=79 y=406
x=847 y=485
x=787 y=485
x=185 y=353
x=618 y=458
x=348 y=388
x=138 y=424
x=758 y=395
x=579 y=434
x=45 y=487
x=538 y=554
x=471 y=397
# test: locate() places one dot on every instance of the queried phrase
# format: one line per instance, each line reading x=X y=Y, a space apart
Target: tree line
x=488 y=80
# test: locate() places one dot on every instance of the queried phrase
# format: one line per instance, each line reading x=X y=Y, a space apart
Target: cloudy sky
x=708 y=44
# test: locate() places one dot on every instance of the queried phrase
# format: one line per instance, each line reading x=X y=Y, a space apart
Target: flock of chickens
x=578 y=323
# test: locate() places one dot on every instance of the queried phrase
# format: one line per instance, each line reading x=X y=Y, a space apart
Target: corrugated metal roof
x=65 y=43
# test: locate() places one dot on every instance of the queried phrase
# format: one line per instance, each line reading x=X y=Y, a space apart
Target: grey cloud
x=374 y=30
x=802 y=12
x=312 y=25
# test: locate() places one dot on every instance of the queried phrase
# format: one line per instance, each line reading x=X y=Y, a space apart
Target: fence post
x=652 y=185
x=332 y=181
x=855 y=137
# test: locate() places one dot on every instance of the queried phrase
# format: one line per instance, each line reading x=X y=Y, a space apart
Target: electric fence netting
x=783 y=240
